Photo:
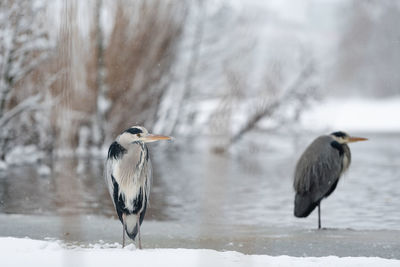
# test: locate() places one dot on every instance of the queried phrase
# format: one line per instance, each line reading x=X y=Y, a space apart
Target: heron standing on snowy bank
x=129 y=177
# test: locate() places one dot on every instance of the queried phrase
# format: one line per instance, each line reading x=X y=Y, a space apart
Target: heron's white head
x=139 y=134
x=344 y=138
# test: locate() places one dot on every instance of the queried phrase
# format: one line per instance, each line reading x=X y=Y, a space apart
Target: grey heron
x=128 y=176
x=318 y=171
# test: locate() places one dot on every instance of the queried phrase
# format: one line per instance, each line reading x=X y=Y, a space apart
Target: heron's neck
x=125 y=140
x=346 y=157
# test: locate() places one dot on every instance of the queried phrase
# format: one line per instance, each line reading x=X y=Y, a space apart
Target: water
x=251 y=185
x=248 y=190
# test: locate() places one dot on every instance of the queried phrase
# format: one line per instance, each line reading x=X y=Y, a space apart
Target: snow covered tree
x=24 y=46
x=230 y=75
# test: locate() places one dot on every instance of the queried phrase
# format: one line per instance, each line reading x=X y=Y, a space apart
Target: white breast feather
x=131 y=181
x=345 y=164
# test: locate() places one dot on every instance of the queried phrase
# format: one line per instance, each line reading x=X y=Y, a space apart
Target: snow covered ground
x=361 y=115
x=16 y=252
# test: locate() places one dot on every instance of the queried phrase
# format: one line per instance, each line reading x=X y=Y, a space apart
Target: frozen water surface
x=240 y=201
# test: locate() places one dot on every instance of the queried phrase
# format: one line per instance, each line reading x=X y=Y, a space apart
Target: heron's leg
x=123 y=230
x=138 y=227
x=319 y=215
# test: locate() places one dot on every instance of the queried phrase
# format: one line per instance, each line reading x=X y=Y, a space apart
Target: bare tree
x=213 y=38
x=139 y=56
x=102 y=103
x=280 y=91
x=172 y=113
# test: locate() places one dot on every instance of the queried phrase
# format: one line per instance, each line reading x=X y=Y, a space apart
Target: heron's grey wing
x=115 y=153
x=317 y=174
x=110 y=163
x=145 y=176
x=149 y=174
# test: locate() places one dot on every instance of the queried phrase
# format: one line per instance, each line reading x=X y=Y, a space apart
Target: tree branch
x=267 y=110
x=30 y=103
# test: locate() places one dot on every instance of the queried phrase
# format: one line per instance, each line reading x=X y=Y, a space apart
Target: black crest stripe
x=338 y=146
x=339 y=134
x=134 y=131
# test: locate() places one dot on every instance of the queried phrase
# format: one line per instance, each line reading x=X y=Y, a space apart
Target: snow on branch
x=24 y=44
x=30 y=103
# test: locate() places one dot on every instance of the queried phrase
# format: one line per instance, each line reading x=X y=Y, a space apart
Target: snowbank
x=362 y=115
x=24 y=252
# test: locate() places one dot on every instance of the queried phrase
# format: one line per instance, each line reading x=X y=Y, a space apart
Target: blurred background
x=243 y=86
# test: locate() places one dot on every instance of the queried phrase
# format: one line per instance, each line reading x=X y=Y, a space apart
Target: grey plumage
x=319 y=169
x=129 y=175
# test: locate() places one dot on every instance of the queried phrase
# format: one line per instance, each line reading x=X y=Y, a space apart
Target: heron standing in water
x=319 y=169
x=129 y=177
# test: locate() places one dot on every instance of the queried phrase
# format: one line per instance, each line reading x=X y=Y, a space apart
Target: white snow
x=362 y=115
x=3 y=165
x=24 y=155
x=44 y=170
x=16 y=252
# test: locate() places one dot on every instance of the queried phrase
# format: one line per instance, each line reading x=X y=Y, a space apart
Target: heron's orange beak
x=356 y=139
x=153 y=137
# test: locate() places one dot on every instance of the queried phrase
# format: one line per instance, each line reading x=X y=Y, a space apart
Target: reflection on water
x=252 y=186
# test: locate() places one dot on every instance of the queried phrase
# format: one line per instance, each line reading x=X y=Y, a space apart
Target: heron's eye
x=138 y=135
